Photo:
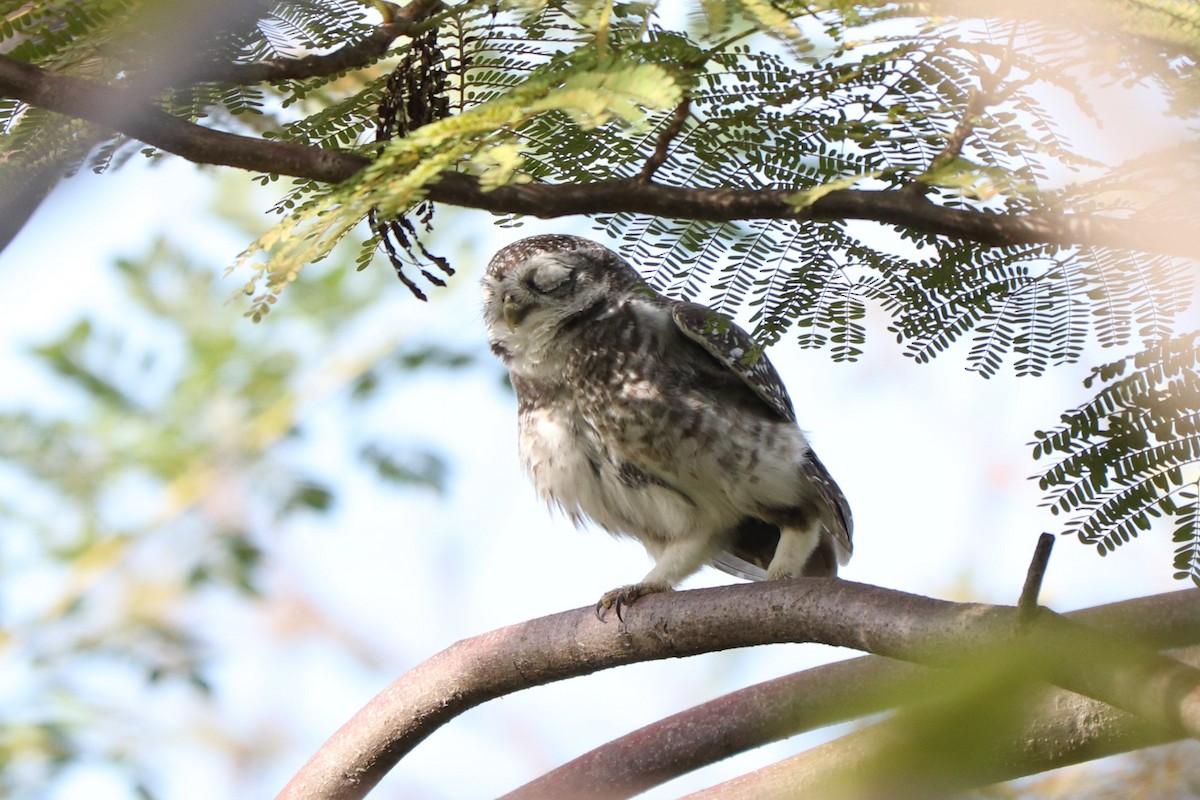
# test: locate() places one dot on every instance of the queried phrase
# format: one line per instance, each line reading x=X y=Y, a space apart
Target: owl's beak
x=513 y=312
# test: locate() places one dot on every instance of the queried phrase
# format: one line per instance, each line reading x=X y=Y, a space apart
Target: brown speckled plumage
x=657 y=419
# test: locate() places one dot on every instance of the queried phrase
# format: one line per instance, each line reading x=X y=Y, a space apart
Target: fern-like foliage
x=118 y=42
x=1132 y=453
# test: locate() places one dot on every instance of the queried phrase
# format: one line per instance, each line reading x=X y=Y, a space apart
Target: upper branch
x=400 y=21
x=890 y=206
x=127 y=112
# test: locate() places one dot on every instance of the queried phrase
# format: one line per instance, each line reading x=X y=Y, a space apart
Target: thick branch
x=1069 y=728
x=905 y=757
x=734 y=723
x=891 y=206
x=574 y=643
x=127 y=112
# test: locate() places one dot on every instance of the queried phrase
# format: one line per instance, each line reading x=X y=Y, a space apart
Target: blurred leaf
x=309 y=495
x=407 y=468
x=434 y=356
x=66 y=356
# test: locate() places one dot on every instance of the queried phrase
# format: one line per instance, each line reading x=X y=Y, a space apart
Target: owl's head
x=536 y=287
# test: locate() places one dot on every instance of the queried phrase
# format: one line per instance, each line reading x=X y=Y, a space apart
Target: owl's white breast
x=571 y=470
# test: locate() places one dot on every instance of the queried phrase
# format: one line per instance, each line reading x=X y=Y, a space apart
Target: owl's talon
x=613 y=600
x=622 y=598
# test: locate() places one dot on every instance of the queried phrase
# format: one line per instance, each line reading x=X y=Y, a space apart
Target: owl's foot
x=792 y=553
x=622 y=598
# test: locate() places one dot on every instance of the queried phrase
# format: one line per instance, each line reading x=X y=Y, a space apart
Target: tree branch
x=1028 y=604
x=1059 y=729
x=401 y=21
x=905 y=757
x=574 y=643
x=892 y=206
x=127 y=112
x=662 y=145
x=734 y=723
x=1070 y=728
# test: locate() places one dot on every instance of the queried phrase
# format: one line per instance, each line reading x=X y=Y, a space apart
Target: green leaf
x=805 y=198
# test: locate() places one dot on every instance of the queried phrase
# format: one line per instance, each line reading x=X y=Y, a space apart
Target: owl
x=657 y=419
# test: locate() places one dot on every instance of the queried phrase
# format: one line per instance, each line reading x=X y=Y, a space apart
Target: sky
x=934 y=461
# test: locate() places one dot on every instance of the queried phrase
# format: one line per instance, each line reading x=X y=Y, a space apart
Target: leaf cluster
x=578 y=90
x=1132 y=453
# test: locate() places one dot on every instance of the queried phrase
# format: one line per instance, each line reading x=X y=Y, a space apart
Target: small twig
x=1027 y=606
x=987 y=93
x=980 y=99
x=659 y=156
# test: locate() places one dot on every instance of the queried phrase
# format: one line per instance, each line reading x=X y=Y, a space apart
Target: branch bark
x=400 y=21
x=734 y=723
x=126 y=111
x=1065 y=727
x=574 y=643
x=902 y=757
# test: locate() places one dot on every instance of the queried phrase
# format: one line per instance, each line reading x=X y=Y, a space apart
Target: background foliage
x=180 y=446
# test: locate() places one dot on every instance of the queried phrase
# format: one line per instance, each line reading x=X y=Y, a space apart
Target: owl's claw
x=622 y=598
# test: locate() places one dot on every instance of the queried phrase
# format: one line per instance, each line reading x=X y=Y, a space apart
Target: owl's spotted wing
x=733 y=347
x=823 y=482
x=754 y=542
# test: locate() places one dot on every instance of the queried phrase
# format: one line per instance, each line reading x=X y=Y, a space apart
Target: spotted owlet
x=657 y=419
